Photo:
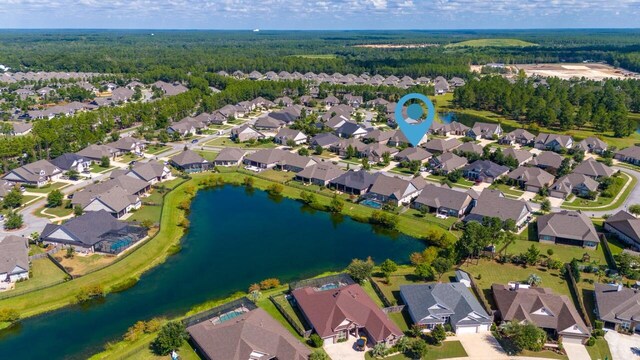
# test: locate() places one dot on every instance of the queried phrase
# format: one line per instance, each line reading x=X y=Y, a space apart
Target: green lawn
x=47 y=189
x=96 y=168
x=26 y=199
x=126 y=158
x=600 y=350
x=430 y=217
x=508 y=190
x=225 y=142
x=277 y=175
x=561 y=252
x=286 y=305
x=463 y=183
x=492 y=43
x=603 y=203
x=208 y=155
x=43 y=272
x=58 y=211
x=157 y=149
x=448 y=349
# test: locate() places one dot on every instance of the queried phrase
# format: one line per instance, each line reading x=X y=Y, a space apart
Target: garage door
x=466 y=330
x=571 y=340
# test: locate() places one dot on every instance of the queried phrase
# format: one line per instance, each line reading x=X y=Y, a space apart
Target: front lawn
x=508 y=190
x=600 y=350
x=157 y=149
x=129 y=157
x=208 y=155
x=96 y=168
x=462 y=182
x=47 y=189
x=226 y=142
x=446 y=350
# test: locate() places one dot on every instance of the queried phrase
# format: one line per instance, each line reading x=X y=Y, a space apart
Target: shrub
x=275 y=189
x=13 y=221
x=383 y=219
x=315 y=340
x=319 y=355
x=55 y=198
x=360 y=270
x=269 y=283
x=416 y=349
x=438 y=334
x=89 y=293
x=9 y=315
x=171 y=337
x=591 y=341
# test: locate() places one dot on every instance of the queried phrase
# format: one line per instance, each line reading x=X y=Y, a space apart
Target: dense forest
x=556 y=103
x=166 y=52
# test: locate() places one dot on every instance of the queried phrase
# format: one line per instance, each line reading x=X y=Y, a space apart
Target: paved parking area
x=344 y=350
x=620 y=345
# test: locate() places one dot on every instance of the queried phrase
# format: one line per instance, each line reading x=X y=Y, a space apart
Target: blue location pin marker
x=414 y=132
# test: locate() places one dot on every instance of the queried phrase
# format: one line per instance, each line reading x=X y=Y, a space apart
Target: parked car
x=194 y=141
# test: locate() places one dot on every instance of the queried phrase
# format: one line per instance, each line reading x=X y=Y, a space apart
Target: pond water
x=236 y=239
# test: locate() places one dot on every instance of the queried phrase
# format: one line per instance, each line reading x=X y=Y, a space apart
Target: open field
x=567 y=71
x=492 y=43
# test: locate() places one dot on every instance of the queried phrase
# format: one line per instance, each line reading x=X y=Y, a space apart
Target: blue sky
x=319 y=14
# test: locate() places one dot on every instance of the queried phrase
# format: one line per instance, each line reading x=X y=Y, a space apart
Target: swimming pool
x=371 y=203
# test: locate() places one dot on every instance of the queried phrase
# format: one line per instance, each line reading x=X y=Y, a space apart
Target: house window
x=342 y=335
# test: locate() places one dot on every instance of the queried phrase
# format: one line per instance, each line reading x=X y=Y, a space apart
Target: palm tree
x=534 y=280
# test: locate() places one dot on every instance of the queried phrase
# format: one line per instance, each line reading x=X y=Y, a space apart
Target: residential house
x=324 y=140
x=569 y=228
x=21 y=128
x=413 y=154
x=330 y=101
x=151 y=172
x=353 y=101
x=252 y=334
x=37 y=174
x=463 y=277
x=521 y=156
x=484 y=170
x=350 y=129
x=14 y=258
x=354 y=182
x=245 y=133
x=531 y=178
x=229 y=157
x=517 y=136
x=485 y=131
x=127 y=144
x=440 y=86
x=630 y=155
x=190 y=162
x=554 y=142
x=593 y=169
x=284 y=101
x=374 y=152
x=540 y=306
x=285 y=135
x=469 y=149
x=593 y=145
x=493 y=203
x=394 y=190
x=445 y=303
x=441 y=145
x=444 y=201
x=578 y=184
x=71 y=162
x=452 y=128
x=120 y=200
x=342 y=147
x=547 y=160
x=319 y=174
x=116 y=201
x=618 y=307
x=95 y=153
x=378 y=136
x=268 y=123
x=95 y=231
x=626 y=227
x=188 y=126
x=280 y=159
x=447 y=162
x=337 y=314
x=399 y=139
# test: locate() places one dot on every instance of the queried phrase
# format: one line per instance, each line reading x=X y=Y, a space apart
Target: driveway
x=344 y=350
x=482 y=346
x=620 y=345
x=576 y=351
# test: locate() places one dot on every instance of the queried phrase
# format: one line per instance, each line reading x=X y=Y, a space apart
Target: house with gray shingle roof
x=484 y=170
x=521 y=156
x=567 y=227
x=441 y=145
x=547 y=160
x=71 y=161
x=128 y=144
x=319 y=174
x=452 y=128
x=593 y=145
x=540 y=306
x=95 y=231
x=37 y=173
x=444 y=201
x=578 y=184
x=14 y=258
x=245 y=133
x=229 y=157
x=324 y=140
x=469 y=148
x=281 y=159
x=493 y=203
x=445 y=303
x=626 y=227
x=553 y=142
x=413 y=154
x=116 y=201
x=630 y=155
x=517 y=136
x=151 y=172
x=354 y=182
x=95 y=152
x=617 y=306
x=484 y=130
x=190 y=162
x=394 y=190
x=593 y=169
x=285 y=134
x=447 y=162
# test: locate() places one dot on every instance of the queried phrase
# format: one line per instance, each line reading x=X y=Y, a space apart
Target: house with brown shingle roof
x=493 y=203
x=625 y=226
x=578 y=184
x=281 y=159
x=441 y=145
x=547 y=160
x=592 y=145
x=553 y=142
x=14 y=258
x=444 y=201
x=319 y=174
x=517 y=136
x=337 y=313
x=541 y=307
x=190 y=162
x=630 y=155
x=394 y=190
x=617 y=306
x=567 y=227
x=252 y=334
x=531 y=178
x=521 y=156
x=447 y=162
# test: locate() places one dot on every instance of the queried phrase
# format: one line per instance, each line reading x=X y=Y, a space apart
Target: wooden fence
x=386 y=302
x=607 y=252
x=302 y=332
x=575 y=291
